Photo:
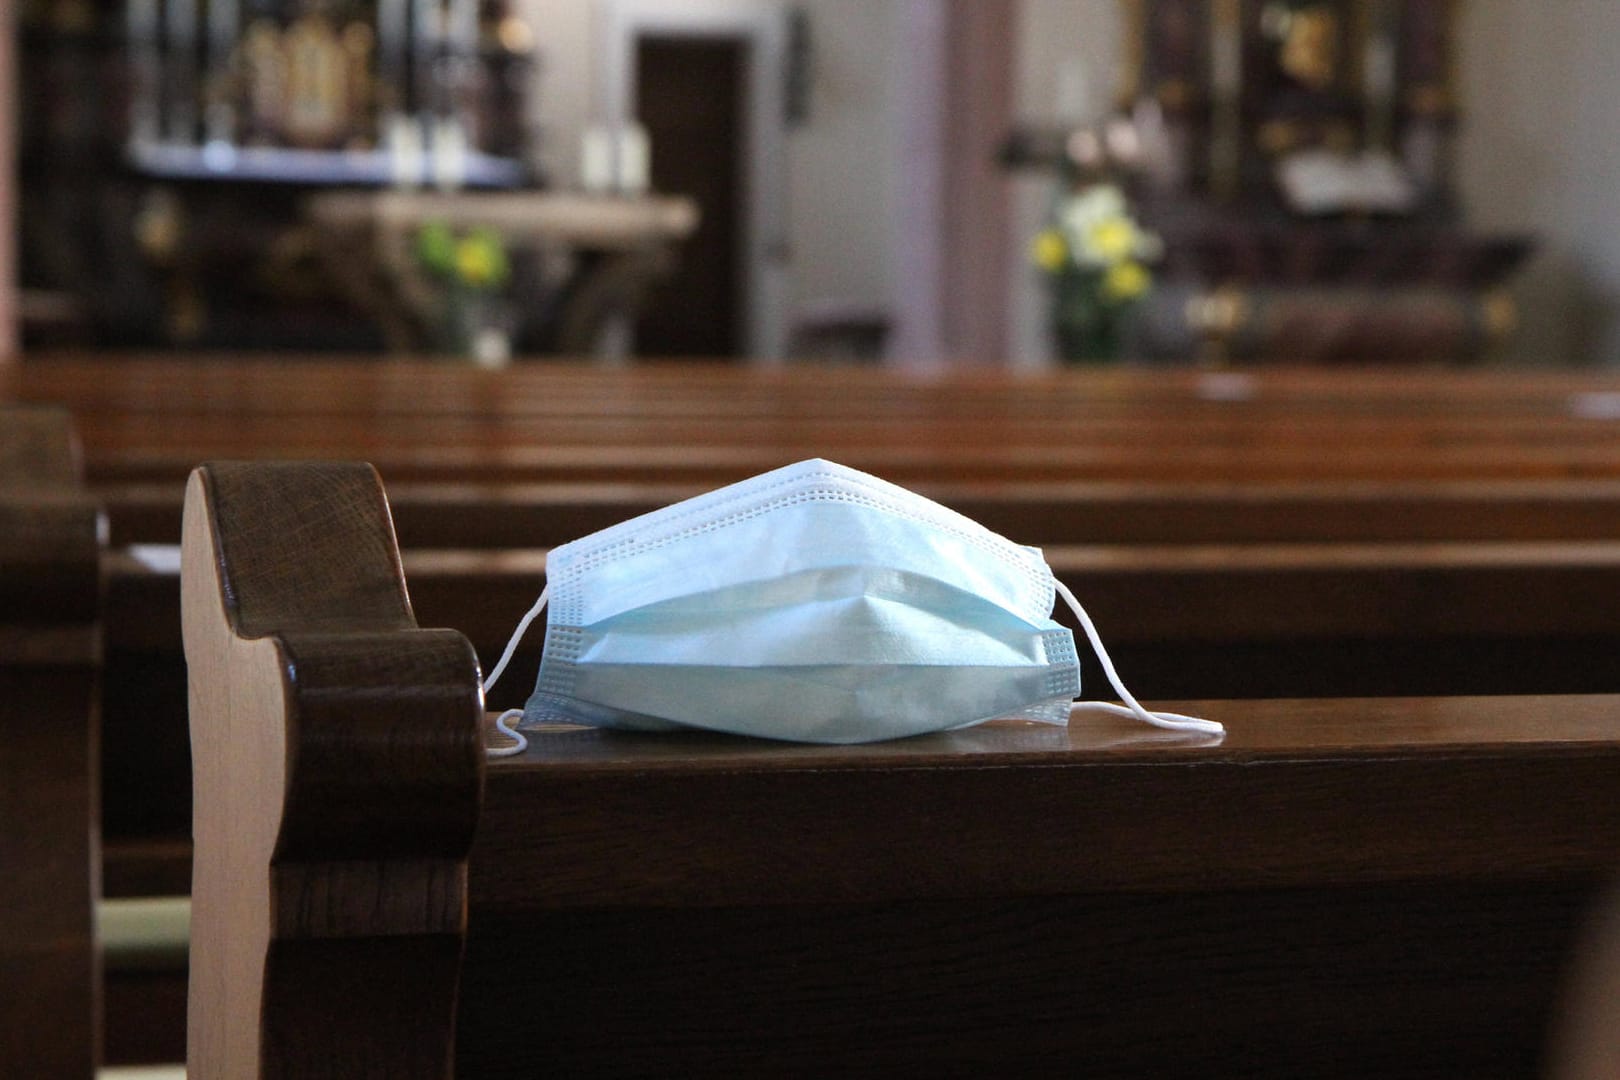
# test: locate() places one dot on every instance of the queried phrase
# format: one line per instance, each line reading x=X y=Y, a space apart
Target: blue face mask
x=814 y=603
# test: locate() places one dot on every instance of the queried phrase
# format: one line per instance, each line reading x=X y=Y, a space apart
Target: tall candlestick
x=464 y=27
x=224 y=24
x=181 y=32
x=391 y=55
x=1378 y=77
x=426 y=33
x=1226 y=91
x=461 y=68
x=145 y=113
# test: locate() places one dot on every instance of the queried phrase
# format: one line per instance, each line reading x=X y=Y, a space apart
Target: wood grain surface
x=338 y=778
x=1337 y=888
x=50 y=649
x=152 y=420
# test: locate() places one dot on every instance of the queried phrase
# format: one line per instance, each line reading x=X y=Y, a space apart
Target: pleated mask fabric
x=814 y=603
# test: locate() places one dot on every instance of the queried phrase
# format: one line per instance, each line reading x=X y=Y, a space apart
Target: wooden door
x=690 y=96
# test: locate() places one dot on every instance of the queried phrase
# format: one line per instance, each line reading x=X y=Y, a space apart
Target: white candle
x=635 y=159
x=596 y=160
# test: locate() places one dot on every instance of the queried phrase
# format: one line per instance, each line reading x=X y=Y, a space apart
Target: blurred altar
x=763 y=181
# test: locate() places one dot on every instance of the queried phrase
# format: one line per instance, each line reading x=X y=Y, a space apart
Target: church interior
x=827 y=369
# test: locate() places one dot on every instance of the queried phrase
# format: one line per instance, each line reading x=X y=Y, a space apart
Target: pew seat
x=1340 y=887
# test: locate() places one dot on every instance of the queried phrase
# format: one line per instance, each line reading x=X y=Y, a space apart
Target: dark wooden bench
x=1081 y=457
x=476 y=516
x=1290 y=609
x=151 y=422
x=1340 y=888
x=1183 y=625
x=50 y=643
x=1182 y=621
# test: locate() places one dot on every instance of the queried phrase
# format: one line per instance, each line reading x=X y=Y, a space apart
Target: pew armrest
x=338 y=770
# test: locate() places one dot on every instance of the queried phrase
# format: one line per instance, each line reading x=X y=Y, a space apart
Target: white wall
x=1070 y=54
x=842 y=164
x=9 y=333
x=1540 y=152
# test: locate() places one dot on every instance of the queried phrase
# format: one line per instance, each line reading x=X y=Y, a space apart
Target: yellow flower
x=1110 y=239
x=1050 y=252
x=480 y=262
x=1126 y=281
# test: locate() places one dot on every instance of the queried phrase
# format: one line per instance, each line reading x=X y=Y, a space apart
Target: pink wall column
x=955 y=84
x=8 y=184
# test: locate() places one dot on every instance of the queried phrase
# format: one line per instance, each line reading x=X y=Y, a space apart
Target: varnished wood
x=472 y=516
x=1181 y=620
x=1338 y=888
x=567 y=424
x=1423 y=605
x=1375 y=790
x=50 y=548
x=659 y=435
x=1586 y=1041
x=1266 y=621
x=338 y=774
x=1165 y=459
x=39 y=449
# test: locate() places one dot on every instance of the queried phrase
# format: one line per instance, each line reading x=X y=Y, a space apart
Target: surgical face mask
x=814 y=603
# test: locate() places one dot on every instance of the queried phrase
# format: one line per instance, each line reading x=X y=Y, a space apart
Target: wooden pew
x=1152 y=456
x=145 y=412
x=475 y=516
x=50 y=625
x=86 y=980
x=1196 y=621
x=1340 y=888
x=1182 y=622
x=150 y=422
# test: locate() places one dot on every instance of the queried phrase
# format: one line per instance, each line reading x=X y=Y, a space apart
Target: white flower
x=1100 y=231
x=1091 y=205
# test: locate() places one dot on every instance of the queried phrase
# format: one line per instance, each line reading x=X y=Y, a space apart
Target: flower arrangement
x=1095 y=257
x=471 y=269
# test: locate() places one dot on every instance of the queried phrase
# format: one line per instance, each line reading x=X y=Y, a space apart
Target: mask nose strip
x=1169 y=721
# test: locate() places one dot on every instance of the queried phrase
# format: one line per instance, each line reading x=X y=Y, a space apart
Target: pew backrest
x=337 y=782
x=1339 y=888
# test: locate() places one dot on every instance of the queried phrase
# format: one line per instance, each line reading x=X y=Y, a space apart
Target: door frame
x=764 y=269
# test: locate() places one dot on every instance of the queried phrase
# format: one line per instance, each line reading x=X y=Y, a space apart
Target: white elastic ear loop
x=501 y=724
x=1168 y=720
x=500 y=666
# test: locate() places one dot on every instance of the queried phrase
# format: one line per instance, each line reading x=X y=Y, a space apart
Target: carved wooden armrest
x=338 y=771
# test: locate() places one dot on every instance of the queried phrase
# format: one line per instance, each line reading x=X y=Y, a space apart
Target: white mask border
x=1131 y=709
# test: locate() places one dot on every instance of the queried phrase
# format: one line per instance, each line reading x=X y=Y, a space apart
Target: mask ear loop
x=1132 y=708
x=502 y=722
